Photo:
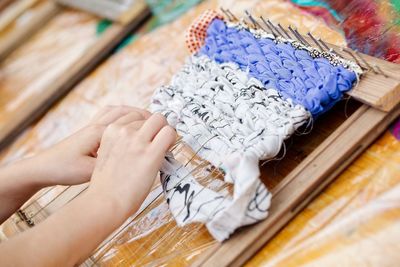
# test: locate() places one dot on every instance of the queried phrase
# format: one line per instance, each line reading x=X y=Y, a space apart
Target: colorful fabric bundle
x=370 y=26
x=235 y=102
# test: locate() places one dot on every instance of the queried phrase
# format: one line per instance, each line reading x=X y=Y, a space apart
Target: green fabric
x=320 y=4
x=396 y=6
x=102 y=26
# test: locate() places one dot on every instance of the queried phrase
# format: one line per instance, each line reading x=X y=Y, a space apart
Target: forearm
x=69 y=235
x=18 y=182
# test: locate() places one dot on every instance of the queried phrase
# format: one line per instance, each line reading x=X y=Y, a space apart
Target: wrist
x=32 y=172
x=109 y=203
x=21 y=176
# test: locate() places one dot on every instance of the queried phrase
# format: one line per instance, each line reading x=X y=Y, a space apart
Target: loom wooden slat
x=16 y=38
x=379 y=92
x=31 y=111
x=4 y=4
x=113 y=10
x=14 y=11
x=307 y=180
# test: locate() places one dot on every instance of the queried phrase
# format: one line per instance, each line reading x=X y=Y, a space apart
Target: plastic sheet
x=354 y=222
x=130 y=77
x=30 y=68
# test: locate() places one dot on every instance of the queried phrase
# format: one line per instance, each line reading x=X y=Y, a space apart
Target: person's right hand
x=130 y=155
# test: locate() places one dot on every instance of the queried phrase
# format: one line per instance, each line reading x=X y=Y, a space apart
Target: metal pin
x=354 y=57
x=315 y=41
x=328 y=48
x=301 y=37
x=269 y=27
x=275 y=28
x=226 y=13
x=295 y=35
x=233 y=16
x=365 y=62
x=287 y=34
x=255 y=23
x=325 y=45
x=381 y=71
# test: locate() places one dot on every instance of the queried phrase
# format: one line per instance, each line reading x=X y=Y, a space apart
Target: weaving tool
x=354 y=119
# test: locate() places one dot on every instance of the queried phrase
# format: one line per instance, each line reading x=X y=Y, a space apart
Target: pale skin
x=119 y=152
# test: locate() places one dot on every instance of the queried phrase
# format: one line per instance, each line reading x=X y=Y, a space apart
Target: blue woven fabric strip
x=312 y=82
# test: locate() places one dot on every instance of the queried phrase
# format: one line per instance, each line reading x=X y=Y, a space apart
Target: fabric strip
x=196 y=33
x=308 y=79
x=233 y=121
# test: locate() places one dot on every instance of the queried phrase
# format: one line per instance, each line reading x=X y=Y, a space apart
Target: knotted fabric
x=310 y=81
x=233 y=121
x=196 y=34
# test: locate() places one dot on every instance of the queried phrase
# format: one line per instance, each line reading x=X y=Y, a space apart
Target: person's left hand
x=72 y=160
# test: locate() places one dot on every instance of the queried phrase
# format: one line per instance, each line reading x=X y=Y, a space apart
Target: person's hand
x=131 y=152
x=72 y=160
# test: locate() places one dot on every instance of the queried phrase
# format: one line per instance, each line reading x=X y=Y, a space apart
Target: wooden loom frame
x=380 y=93
x=62 y=84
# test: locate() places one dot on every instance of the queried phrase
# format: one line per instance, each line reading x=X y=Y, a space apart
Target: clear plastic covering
x=151 y=237
x=354 y=222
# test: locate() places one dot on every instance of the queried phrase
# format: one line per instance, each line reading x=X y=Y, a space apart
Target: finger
x=136 y=125
x=129 y=118
x=152 y=126
x=89 y=139
x=165 y=138
x=112 y=113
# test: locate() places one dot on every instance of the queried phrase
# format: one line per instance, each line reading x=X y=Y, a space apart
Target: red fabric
x=197 y=31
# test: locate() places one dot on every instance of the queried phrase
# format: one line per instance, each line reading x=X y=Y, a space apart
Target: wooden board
x=32 y=110
x=14 y=11
x=119 y=11
x=308 y=179
x=4 y=4
x=16 y=38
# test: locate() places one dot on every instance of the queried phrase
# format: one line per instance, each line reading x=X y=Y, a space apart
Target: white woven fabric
x=233 y=122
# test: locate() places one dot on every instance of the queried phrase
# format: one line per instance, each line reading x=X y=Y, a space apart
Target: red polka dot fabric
x=196 y=34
